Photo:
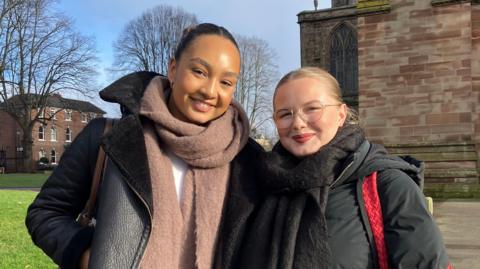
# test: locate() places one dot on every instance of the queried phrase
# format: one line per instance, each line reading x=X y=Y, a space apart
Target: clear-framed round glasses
x=311 y=113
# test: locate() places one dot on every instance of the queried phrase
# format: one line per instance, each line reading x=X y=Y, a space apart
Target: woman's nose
x=209 y=90
x=297 y=121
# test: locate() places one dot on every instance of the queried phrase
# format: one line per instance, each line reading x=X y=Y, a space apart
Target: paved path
x=459 y=222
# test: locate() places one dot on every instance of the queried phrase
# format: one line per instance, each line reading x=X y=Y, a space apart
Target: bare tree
x=256 y=82
x=148 y=42
x=40 y=54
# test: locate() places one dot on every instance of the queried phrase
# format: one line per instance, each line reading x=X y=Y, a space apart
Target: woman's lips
x=201 y=106
x=302 y=138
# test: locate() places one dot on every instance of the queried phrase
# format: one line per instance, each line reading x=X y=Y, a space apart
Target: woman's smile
x=303 y=138
x=200 y=105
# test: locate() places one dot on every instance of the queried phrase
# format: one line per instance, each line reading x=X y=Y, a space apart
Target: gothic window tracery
x=344 y=62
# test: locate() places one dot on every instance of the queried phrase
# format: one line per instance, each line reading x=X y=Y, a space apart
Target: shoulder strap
x=374 y=213
x=97 y=175
x=375 y=217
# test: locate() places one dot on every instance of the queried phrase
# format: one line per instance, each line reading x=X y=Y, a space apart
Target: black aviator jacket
x=125 y=198
x=412 y=237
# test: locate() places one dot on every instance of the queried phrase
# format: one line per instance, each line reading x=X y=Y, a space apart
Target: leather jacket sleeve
x=51 y=218
x=411 y=234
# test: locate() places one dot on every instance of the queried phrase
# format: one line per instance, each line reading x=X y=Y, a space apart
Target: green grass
x=22 y=180
x=16 y=248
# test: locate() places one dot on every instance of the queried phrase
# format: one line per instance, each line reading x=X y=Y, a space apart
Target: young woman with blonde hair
x=314 y=212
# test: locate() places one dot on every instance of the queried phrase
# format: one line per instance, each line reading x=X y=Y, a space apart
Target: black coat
x=412 y=238
x=125 y=198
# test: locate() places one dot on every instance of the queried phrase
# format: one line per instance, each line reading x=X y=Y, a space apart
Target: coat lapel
x=127 y=136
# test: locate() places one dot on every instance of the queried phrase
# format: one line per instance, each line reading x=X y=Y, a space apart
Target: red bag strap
x=375 y=217
x=374 y=213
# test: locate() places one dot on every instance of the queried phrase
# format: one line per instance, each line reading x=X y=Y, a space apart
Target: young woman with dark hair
x=178 y=162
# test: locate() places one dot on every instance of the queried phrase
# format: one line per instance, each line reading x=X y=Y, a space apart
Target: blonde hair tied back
x=324 y=76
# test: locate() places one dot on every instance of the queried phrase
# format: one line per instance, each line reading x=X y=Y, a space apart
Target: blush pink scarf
x=184 y=235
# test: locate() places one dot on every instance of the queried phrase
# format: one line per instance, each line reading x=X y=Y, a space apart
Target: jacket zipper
x=343 y=172
x=144 y=244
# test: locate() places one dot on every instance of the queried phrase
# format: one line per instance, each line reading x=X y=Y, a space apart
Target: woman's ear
x=172 y=68
x=342 y=114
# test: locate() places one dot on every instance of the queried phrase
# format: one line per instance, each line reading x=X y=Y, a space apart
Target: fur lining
x=128 y=90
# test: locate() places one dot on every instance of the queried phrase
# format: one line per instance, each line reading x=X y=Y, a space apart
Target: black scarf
x=289 y=229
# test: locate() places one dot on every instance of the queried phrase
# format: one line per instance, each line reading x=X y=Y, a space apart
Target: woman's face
x=308 y=132
x=203 y=79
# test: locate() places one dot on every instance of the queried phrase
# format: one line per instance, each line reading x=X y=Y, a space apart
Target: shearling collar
x=125 y=144
x=128 y=90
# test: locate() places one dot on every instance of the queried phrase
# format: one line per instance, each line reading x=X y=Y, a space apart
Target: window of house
x=68 y=135
x=42 y=114
x=41 y=133
x=41 y=154
x=68 y=115
x=53 y=133
x=53 y=113
x=92 y=116
x=344 y=62
x=84 y=117
x=53 y=156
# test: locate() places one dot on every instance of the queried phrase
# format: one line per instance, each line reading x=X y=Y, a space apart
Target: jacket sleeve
x=412 y=237
x=51 y=218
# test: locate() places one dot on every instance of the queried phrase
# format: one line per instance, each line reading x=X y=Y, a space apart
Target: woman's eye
x=284 y=115
x=227 y=83
x=198 y=72
x=312 y=109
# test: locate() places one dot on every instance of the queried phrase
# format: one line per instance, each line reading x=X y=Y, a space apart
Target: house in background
x=65 y=119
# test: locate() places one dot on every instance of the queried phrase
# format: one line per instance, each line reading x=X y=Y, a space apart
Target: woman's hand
x=84 y=259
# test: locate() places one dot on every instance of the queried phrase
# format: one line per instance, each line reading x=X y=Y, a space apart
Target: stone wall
x=415 y=73
x=419 y=78
x=315 y=33
x=476 y=67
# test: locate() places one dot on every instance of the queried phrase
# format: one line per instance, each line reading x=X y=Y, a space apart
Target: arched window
x=41 y=133
x=344 y=62
x=53 y=156
x=53 y=134
x=68 y=135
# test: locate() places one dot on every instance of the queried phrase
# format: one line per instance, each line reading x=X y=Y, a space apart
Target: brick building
x=412 y=68
x=67 y=117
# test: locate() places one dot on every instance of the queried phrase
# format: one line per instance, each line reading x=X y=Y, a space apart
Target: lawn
x=16 y=247
x=22 y=180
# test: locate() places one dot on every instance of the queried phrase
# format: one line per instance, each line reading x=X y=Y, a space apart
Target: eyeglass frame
x=302 y=115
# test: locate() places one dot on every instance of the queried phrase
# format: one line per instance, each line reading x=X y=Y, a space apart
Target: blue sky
x=272 y=20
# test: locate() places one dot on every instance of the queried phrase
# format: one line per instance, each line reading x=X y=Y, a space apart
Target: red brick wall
x=415 y=73
x=8 y=138
x=9 y=129
x=75 y=124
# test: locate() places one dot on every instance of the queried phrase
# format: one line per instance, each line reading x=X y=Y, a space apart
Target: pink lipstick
x=302 y=138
